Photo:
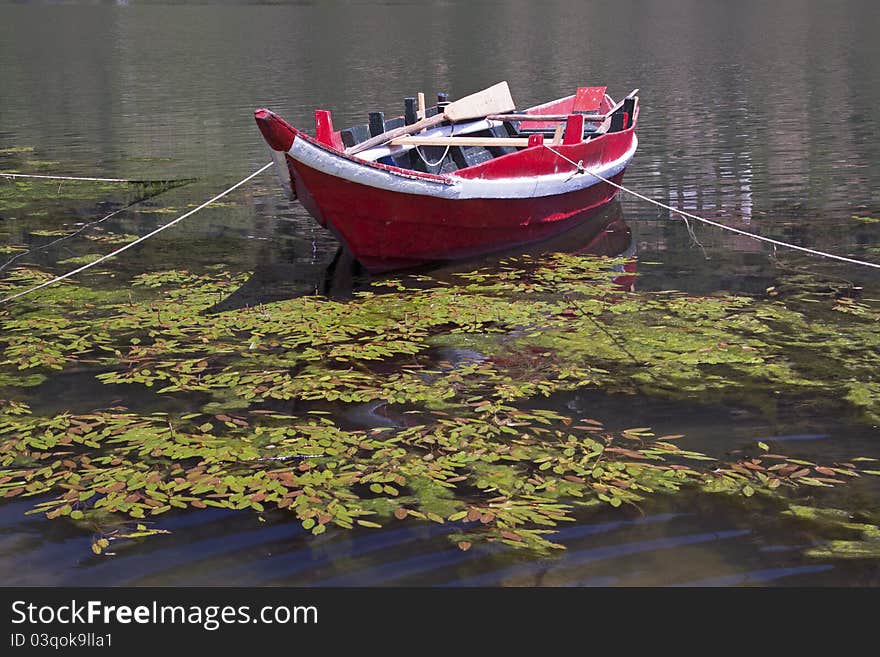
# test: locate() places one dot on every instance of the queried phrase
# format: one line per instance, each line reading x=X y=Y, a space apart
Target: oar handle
x=385 y=137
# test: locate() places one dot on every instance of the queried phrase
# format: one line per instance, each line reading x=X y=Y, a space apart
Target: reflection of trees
x=760 y=113
x=752 y=117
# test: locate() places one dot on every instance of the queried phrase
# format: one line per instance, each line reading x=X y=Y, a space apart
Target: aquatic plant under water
x=272 y=404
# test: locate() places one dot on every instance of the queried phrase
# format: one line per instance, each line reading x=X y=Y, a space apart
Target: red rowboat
x=458 y=188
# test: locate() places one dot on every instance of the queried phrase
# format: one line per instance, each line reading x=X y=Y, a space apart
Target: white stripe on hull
x=454 y=187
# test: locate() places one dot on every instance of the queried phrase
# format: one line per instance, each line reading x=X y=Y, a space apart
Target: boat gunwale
x=466 y=188
x=423 y=176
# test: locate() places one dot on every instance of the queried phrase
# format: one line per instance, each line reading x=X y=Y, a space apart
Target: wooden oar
x=494 y=100
x=520 y=142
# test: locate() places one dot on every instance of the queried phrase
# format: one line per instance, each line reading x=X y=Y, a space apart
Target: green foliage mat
x=462 y=367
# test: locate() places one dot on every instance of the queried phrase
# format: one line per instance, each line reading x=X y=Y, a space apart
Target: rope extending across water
x=582 y=169
x=83 y=228
x=140 y=239
x=34 y=175
x=78 y=231
x=579 y=166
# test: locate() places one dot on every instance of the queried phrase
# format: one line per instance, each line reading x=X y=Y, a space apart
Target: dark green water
x=762 y=115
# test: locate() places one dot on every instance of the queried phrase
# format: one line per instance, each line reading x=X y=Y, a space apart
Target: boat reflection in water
x=597 y=233
x=281 y=275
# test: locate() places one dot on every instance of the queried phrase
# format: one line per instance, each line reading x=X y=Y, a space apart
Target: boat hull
x=387 y=230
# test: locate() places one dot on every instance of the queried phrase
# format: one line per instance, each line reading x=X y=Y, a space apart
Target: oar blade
x=493 y=100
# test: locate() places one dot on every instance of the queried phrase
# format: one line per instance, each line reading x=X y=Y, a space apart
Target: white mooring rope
x=34 y=175
x=582 y=169
x=78 y=231
x=139 y=239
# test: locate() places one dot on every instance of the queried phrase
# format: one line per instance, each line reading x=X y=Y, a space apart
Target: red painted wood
x=559 y=106
x=540 y=161
x=574 y=129
x=536 y=140
x=568 y=105
x=324 y=132
x=588 y=99
x=277 y=132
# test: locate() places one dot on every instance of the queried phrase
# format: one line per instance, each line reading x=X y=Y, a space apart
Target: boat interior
x=450 y=147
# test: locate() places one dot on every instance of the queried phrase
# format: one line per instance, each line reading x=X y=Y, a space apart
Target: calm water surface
x=763 y=115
